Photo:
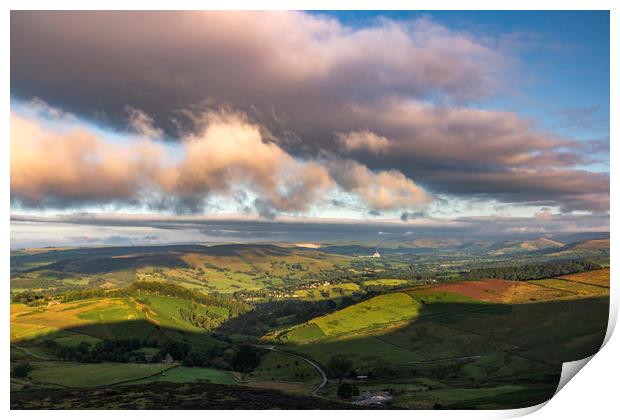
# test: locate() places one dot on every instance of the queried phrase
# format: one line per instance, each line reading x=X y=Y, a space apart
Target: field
x=127 y=318
x=385 y=282
x=68 y=374
x=30 y=323
x=327 y=291
x=583 y=289
x=223 y=269
x=597 y=278
x=490 y=291
x=184 y=374
x=482 y=332
x=380 y=310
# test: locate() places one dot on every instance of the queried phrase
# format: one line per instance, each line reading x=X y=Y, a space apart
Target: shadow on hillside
x=474 y=346
x=448 y=348
x=108 y=259
x=127 y=330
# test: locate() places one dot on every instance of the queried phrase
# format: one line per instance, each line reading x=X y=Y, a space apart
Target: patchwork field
x=491 y=291
x=583 y=289
x=489 y=332
x=218 y=268
x=186 y=317
x=597 y=277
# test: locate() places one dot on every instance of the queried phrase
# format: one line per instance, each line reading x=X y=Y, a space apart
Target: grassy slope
x=511 y=351
x=372 y=313
x=100 y=318
x=223 y=268
x=283 y=367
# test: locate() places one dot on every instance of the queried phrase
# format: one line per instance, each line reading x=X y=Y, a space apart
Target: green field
x=71 y=374
x=335 y=291
x=372 y=313
x=275 y=366
x=191 y=374
x=385 y=282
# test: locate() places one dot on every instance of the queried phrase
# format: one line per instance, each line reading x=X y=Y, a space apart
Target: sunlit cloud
x=74 y=166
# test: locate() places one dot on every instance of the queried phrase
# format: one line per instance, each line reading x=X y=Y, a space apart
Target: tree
x=339 y=366
x=194 y=359
x=347 y=390
x=22 y=370
x=176 y=349
x=246 y=359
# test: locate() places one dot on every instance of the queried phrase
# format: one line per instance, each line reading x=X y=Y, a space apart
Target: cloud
x=39 y=231
x=239 y=55
x=406 y=216
x=571 y=190
x=486 y=154
x=77 y=166
x=399 y=96
x=73 y=166
x=544 y=214
x=363 y=140
x=142 y=123
x=231 y=153
x=385 y=190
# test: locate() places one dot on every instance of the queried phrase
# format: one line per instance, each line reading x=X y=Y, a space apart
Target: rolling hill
x=494 y=333
x=223 y=268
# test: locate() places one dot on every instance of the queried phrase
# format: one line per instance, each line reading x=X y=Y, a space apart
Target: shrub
x=22 y=370
x=246 y=359
x=347 y=390
x=339 y=366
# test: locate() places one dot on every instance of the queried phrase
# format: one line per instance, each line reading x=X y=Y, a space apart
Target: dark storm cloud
x=162 y=61
x=393 y=96
x=568 y=189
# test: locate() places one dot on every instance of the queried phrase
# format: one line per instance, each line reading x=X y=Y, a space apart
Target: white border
x=593 y=394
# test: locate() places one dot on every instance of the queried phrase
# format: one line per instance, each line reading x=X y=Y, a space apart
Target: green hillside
x=219 y=268
x=432 y=342
x=273 y=316
x=372 y=313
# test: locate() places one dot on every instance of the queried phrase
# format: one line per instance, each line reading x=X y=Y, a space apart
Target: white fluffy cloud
x=72 y=165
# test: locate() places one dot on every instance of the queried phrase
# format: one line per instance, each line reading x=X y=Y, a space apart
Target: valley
x=453 y=326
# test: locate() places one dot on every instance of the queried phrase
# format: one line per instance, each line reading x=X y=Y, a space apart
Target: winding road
x=310 y=362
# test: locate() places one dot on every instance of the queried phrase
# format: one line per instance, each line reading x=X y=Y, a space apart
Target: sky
x=147 y=126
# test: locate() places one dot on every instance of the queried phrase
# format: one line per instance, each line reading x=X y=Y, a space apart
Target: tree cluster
x=532 y=271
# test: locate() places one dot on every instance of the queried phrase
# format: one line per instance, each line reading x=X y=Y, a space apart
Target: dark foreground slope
x=169 y=396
